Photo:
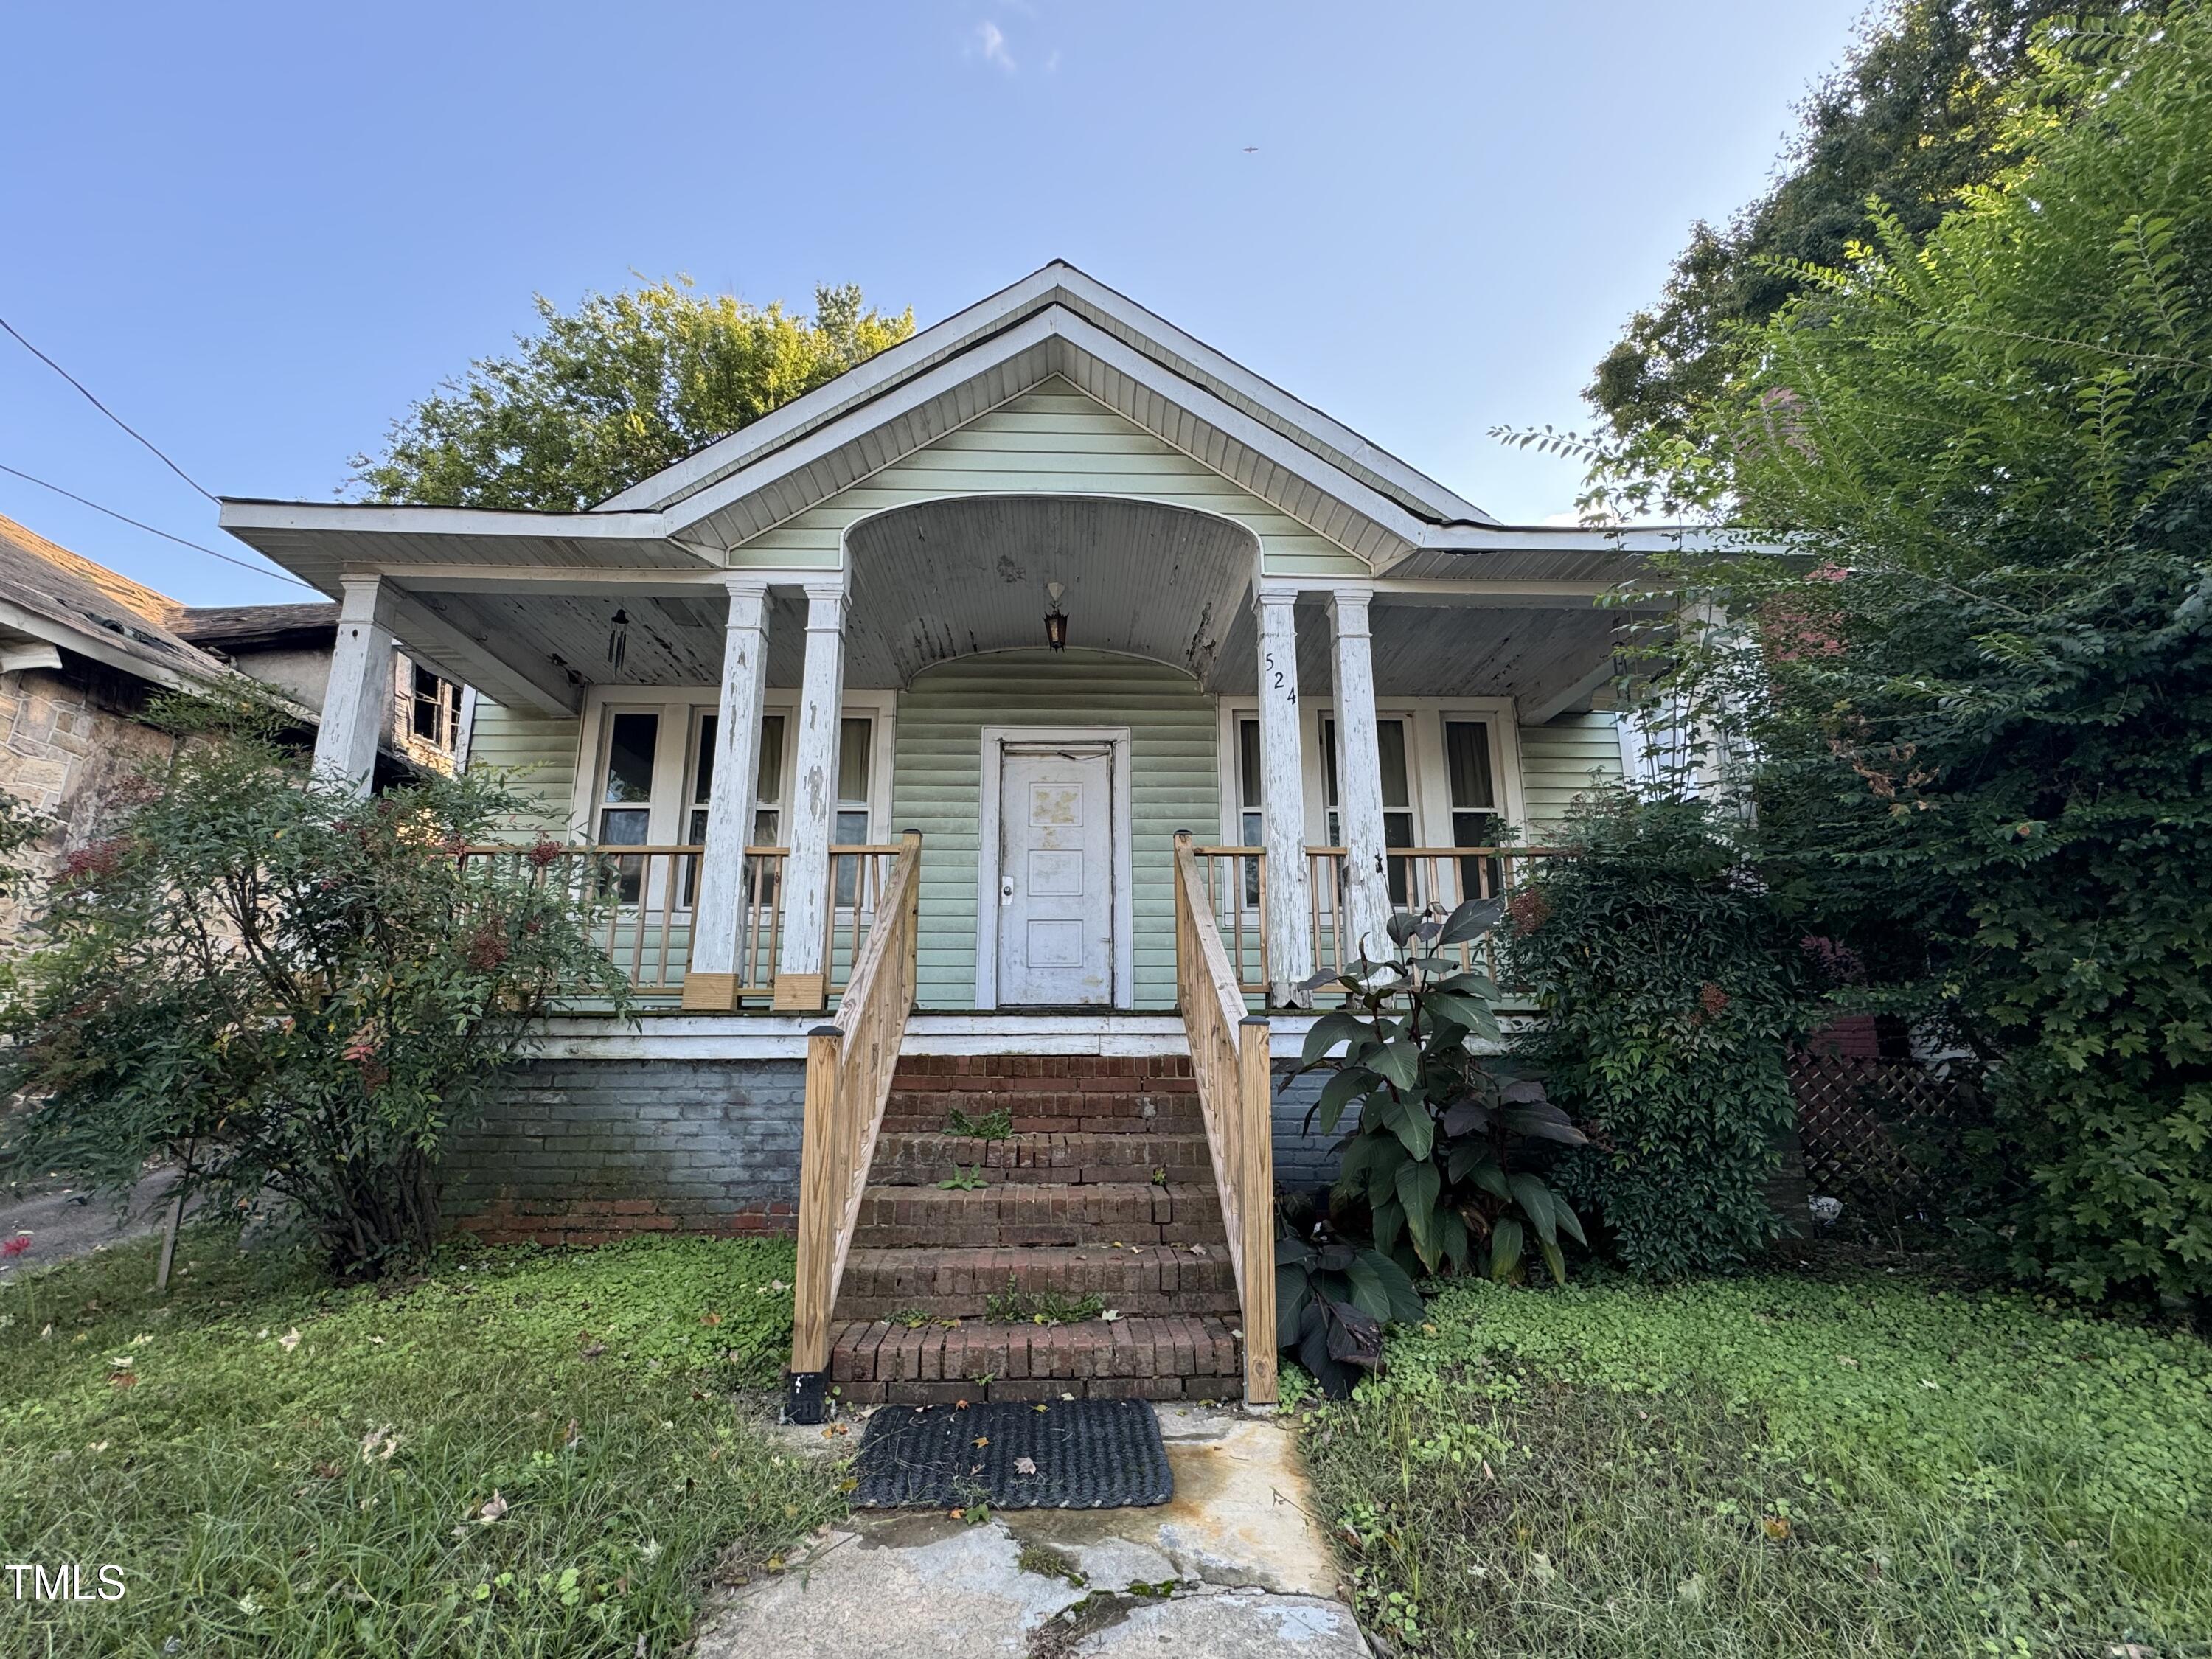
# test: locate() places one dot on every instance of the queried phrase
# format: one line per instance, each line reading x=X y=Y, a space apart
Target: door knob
x=1005 y=890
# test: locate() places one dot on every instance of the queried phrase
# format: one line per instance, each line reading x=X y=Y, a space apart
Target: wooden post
x=357 y=696
x=1283 y=805
x=174 y=1224
x=821 y=1216
x=912 y=838
x=802 y=977
x=1255 y=1206
x=718 y=919
x=1360 y=781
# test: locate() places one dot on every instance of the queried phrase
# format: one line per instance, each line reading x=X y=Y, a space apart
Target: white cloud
x=991 y=40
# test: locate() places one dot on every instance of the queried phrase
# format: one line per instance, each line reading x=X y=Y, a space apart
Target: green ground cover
x=1772 y=1466
x=524 y=1453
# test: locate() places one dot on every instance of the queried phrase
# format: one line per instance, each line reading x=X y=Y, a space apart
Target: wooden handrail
x=849 y=1065
x=1228 y=1056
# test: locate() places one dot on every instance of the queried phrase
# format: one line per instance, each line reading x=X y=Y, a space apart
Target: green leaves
x=1419 y=1187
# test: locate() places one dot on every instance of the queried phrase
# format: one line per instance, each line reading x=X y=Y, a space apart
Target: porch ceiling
x=1445 y=646
x=950 y=578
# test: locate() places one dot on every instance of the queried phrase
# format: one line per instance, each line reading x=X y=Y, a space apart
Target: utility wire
x=113 y=416
x=213 y=553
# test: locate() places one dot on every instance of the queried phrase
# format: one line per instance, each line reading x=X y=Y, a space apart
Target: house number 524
x=1290 y=692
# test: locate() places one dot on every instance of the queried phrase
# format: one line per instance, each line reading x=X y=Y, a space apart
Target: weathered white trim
x=1282 y=800
x=989 y=845
x=810 y=814
x=1359 y=775
x=358 y=519
x=718 y=920
x=1568 y=695
x=357 y=697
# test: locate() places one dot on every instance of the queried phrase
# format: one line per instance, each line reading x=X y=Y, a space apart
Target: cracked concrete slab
x=1251 y=1570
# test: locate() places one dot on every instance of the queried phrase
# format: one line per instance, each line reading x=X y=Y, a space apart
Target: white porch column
x=1283 y=802
x=357 y=698
x=1359 y=778
x=710 y=980
x=802 y=975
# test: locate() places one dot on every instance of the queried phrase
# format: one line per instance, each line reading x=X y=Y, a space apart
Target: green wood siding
x=1054 y=441
x=937 y=777
x=1562 y=760
x=541 y=752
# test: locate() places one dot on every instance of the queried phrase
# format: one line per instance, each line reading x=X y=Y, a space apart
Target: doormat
x=1071 y=1455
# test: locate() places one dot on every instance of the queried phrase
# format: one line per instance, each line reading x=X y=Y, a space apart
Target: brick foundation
x=585 y=1152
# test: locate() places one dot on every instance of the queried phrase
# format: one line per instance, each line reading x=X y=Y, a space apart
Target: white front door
x=1056 y=876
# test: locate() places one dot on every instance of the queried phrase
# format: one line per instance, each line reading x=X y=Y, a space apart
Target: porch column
x=718 y=915
x=357 y=698
x=1360 y=777
x=802 y=975
x=1283 y=802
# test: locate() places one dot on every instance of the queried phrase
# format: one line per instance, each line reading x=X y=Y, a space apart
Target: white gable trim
x=1060 y=287
x=1399 y=530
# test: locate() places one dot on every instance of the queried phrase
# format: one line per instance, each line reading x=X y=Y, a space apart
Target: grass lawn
x=1776 y=1466
x=526 y=1453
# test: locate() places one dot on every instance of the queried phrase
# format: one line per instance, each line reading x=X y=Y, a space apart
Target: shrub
x=288 y=990
x=1446 y=1160
x=1669 y=997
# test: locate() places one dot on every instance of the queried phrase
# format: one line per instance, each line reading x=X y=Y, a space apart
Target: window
x=625 y=798
x=1250 y=825
x=1397 y=796
x=433 y=709
x=1473 y=802
x=768 y=789
x=856 y=747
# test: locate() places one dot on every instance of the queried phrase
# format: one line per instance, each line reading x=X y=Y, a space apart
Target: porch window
x=1250 y=825
x=767 y=790
x=856 y=752
x=625 y=799
x=1397 y=798
x=1473 y=802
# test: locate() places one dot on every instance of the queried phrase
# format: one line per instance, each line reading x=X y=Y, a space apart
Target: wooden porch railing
x=849 y=1063
x=644 y=896
x=645 y=893
x=1229 y=1055
x=1235 y=881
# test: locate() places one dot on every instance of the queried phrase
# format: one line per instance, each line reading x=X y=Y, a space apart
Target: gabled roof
x=1061 y=294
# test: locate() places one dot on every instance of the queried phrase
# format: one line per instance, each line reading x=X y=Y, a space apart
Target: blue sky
x=257 y=231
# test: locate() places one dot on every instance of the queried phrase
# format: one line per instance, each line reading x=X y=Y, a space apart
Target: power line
x=113 y=416
x=213 y=553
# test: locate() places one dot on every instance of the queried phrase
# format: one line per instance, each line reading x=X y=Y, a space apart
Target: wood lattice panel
x=1845 y=1108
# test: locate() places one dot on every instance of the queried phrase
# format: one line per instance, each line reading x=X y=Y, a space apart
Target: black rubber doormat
x=1073 y=1455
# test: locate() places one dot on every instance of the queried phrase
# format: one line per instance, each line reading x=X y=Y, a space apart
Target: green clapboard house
x=1014 y=722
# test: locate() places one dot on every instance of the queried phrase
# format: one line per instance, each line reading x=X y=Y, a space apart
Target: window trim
x=679 y=707
x=1429 y=783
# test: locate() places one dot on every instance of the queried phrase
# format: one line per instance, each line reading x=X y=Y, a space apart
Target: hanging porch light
x=1056 y=620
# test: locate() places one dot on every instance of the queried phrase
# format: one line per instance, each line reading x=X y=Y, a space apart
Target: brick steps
x=954 y=1284
x=1068 y=1207
x=910 y=1159
x=1175 y=1357
x=1031 y=1212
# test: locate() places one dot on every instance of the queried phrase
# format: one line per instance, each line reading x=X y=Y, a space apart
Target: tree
x=615 y=391
x=1916 y=116
x=1980 y=677
x=285 y=989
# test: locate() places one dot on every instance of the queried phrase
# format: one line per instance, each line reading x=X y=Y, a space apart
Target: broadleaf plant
x=1453 y=1140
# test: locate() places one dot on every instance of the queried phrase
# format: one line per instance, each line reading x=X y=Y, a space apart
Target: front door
x=1056 y=876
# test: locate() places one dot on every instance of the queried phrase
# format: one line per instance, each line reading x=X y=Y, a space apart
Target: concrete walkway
x=70 y=1221
x=1234 y=1565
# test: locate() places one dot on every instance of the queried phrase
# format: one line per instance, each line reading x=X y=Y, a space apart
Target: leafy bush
x=1447 y=1156
x=1669 y=995
x=287 y=989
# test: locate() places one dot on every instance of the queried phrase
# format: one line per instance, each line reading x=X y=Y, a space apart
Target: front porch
x=1047 y=691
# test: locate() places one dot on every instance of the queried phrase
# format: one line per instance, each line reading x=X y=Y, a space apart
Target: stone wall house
x=83 y=650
